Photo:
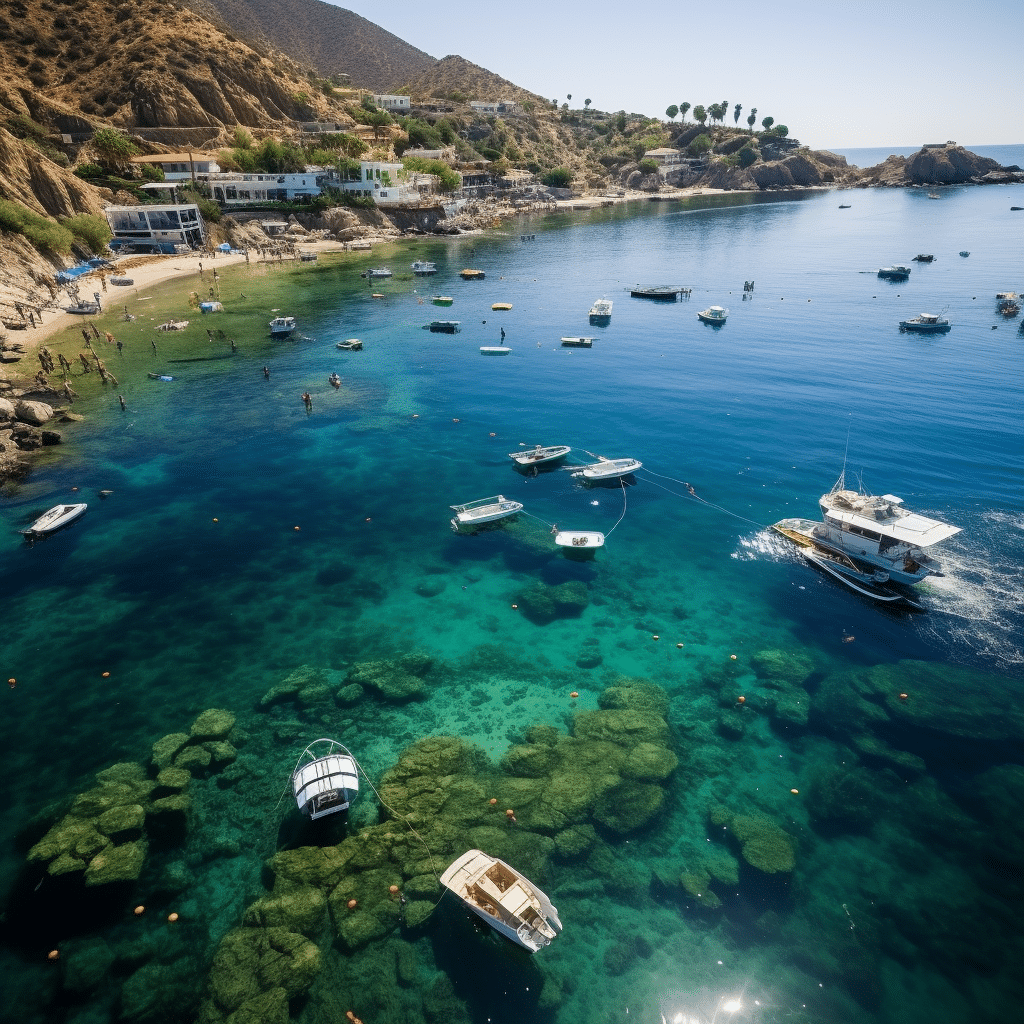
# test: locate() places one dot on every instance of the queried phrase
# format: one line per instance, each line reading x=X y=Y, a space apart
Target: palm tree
x=683 y=108
x=586 y=104
x=752 y=118
x=736 y=113
x=700 y=114
x=768 y=122
x=671 y=112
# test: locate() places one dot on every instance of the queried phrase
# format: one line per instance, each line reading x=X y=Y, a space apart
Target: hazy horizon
x=866 y=75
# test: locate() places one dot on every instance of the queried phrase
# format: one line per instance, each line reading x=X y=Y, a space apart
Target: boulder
x=36 y=413
x=6 y=409
x=166 y=748
x=214 y=724
x=117 y=864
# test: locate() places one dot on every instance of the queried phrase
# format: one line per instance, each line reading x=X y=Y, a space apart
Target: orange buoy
x=12 y=683
x=140 y=910
x=392 y=889
x=903 y=696
x=795 y=792
x=574 y=694
x=510 y=813
x=216 y=520
x=493 y=800
x=54 y=954
x=106 y=675
x=172 y=918
x=298 y=527
x=352 y=904
x=741 y=700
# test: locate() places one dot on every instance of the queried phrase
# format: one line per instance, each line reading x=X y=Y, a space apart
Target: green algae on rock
x=213 y=724
x=396 y=681
x=542 y=603
x=763 y=844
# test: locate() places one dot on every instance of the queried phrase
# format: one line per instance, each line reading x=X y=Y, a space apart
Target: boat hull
x=55 y=519
x=540 y=456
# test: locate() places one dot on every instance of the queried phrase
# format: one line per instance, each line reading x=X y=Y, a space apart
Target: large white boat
x=325 y=779
x=713 y=315
x=925 y=323
x=577 y=342
x=610 y=469
x=54 y=519
x=501 y=896
x=282 y=326
x=424 y=267
x=374 y=272
x=538 y=455
x=484 y=510
x=873 y=531
x=601 y=311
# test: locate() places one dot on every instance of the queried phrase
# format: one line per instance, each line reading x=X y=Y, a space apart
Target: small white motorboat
x=610 y=469
x=601 y=311
x=538 y=456
x=510 y=903
x=484 y=510
x=874 y=584
x=494 y=350
x=282 y=326
x=325 y=779
x=925 y=323
x=577 y=342
x=713 y=315
x=579 y=540
x=424 y=267
x=54 y=519
x=376 y=272
x=350 y=345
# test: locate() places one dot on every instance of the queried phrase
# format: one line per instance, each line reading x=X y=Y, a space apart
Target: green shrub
x=449 y=180
x=648 y=166
x=560 y=177
x=151 y=172
x=43 y=233
x=747 y=156
x=90 y=228
x=699 y=146
x=89 y=171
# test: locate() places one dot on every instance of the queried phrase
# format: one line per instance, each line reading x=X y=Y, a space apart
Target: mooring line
x=696 y=497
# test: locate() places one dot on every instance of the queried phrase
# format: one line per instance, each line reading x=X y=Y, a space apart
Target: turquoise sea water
x=245 y=539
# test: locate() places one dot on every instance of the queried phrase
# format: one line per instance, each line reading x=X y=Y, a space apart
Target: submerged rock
x=117 y=863
x=214 y=724
x=763 y=844
x=397 y=681
x=542 y=603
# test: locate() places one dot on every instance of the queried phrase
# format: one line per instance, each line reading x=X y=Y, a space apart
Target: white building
x=393 y=104
x=235 y=188
x=181 y=166
x=171 y=228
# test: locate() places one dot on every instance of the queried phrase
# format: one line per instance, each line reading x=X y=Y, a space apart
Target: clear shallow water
x=186 y=613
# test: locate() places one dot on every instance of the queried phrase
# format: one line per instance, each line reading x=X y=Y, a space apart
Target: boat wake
x=980 y=601
x=765 y=546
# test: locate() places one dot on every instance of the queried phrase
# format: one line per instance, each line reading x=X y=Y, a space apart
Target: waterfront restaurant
x=173 y=228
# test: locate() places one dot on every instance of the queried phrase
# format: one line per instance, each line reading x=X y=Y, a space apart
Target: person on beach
x=120 y=347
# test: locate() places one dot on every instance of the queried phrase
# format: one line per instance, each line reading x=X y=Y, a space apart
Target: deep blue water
x=245 y=539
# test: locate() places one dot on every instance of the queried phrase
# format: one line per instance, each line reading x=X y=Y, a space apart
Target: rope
x=696 y=497
x=619 y=520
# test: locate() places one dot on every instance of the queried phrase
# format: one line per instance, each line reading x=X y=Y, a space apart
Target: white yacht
x=873 y=531
x=54 y=519
x=501 y=896
x=601 y=311
x=484 y=510
x=325 y=779
x=375 y=272
x=424 y=267
x=282 y=326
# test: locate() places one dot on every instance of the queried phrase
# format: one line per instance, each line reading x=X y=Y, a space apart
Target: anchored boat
x=539 y=456
x=509 y=902
x=925 y=323
x=715 y=315
x=610 y=469
x=484 y=510
x=282 y=326
x=577 y=342
x=661 y=292
x=444 y=326
x=897 y=272
x=54 y=519
x=424 y=268
x=325 y=780
x=601 y=312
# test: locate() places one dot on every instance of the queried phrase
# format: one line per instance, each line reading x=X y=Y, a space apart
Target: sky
x=839 y=76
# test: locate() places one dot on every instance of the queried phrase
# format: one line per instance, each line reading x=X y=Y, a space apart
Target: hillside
x=331 y=40
x=456 y=76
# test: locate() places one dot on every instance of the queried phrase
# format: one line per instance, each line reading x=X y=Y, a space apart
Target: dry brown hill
x=332 y=40
x=146 y=63
x=456 y=76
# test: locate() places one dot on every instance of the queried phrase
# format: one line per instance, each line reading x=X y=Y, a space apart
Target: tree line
x=719 y=111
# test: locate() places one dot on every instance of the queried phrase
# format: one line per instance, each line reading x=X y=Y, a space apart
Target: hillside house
x=171 y=228
x=393 y=104
x=233 y=188
x=666 y=159
x=181 y=166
